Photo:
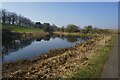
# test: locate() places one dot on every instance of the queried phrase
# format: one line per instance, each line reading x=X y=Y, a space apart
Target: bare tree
x=3 y=15
x=13 y=18
x=0 y=15
x=8 y=18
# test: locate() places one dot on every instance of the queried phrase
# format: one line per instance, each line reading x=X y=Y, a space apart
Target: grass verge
x=95 y=63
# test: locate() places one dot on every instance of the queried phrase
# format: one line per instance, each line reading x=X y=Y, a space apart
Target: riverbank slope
x=82 y=60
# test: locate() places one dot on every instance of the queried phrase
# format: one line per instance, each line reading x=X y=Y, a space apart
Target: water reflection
x=72 y=39
x=25 y=46
x=12 y=46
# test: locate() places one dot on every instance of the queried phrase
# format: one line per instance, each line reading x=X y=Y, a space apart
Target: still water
x=31 y=47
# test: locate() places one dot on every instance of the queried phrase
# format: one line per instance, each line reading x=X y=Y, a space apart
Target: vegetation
x=11 y=22
x=88 y=29
x=47 y=27
x=17 y=21
x=72 y=28
x=16 y=28
x=13 y=18
x=28 y=25
x=38 y=25
x=62 y=62
x=95 y=63
x=72 y=34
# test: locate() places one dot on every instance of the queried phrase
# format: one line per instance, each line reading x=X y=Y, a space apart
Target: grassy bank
x=72 y=34
x=14 y=32
x=20 y=29
x=94 y=66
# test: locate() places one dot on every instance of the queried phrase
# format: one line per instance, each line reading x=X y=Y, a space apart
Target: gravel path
x=110 y=69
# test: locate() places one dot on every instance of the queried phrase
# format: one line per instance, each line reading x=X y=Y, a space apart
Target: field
x=20 y=29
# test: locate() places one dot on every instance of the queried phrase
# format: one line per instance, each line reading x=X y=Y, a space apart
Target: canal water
x=30 y=47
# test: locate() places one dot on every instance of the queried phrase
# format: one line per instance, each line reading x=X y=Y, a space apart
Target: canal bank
x=66 y=62
x=34 y=46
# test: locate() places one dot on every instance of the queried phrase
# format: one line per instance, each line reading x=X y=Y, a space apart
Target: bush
x=72 y=28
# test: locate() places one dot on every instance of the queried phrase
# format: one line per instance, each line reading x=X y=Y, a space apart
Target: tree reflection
x=10 y=45
x=47 y=38
x=14 y=45
x=71 y=39
x=38 y=39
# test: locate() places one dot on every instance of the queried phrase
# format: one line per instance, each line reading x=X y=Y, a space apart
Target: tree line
x=15 y=19
x=87 y=29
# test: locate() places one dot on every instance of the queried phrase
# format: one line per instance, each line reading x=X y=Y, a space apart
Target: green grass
x=73 y=34
x=21 y=29
x=96 y=63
